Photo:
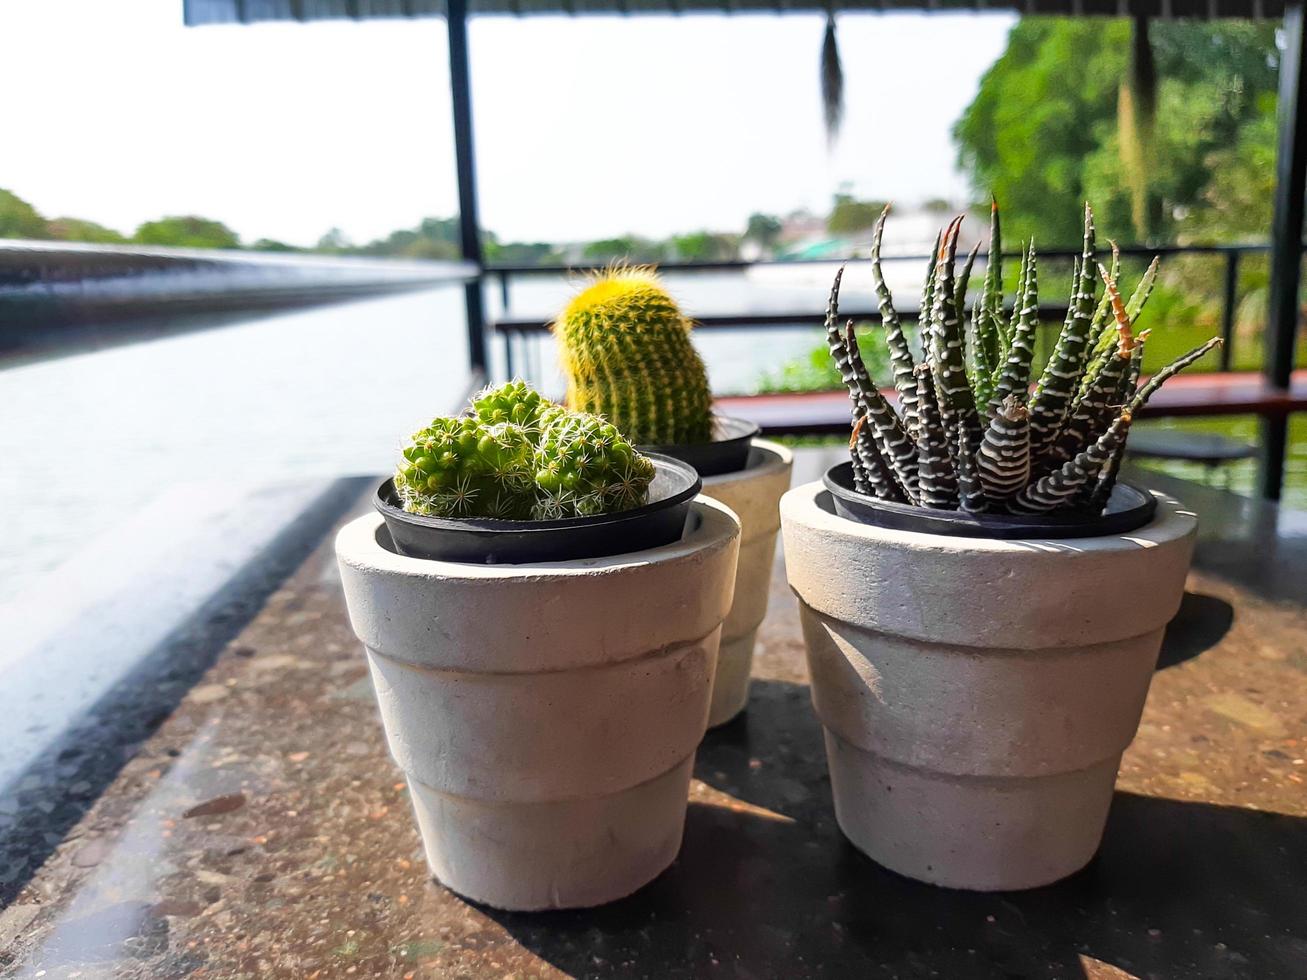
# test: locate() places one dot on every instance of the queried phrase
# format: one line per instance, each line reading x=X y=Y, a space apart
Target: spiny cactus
x=584 y=466
x=971 y=434
x=515 y=401
x=464 y=467
x=517 y=456
x=627 y=354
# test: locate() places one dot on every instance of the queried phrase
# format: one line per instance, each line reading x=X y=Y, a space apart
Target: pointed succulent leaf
x=1061 y=377
x=963 y=282
x=1003 y=462
x=937 y=484
x=1062 y=487
x=899 y=352
x=1104 y=390
x=876 y=475
x=1143 y=290
x=957 y=407
x=1141 y=397
x=928 y=301
x=891 y=437
x=993 y=289
x=1014 y=375
x=971 y=495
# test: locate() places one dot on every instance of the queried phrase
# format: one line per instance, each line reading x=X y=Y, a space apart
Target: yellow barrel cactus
x=627 y=354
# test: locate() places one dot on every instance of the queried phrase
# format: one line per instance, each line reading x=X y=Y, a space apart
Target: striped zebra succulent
x=971 y=432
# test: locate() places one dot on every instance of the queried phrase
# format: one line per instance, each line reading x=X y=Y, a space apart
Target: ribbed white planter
x=546 y=715
x=754 y=493
x=976 y=695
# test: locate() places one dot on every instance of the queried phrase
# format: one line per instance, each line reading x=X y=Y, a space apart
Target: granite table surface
x=262 y=831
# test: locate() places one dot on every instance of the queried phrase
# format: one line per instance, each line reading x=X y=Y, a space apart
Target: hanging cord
x=832 y=82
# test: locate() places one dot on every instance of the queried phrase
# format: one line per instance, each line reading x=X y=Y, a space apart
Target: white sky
x=585 y=127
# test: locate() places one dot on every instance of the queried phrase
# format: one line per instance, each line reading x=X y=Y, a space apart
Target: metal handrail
x=726 y=265
x=1233 y=254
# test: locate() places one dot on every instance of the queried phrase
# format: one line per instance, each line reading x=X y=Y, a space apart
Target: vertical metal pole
x=469 y=226
x=1286 y=242
x=1227 y=311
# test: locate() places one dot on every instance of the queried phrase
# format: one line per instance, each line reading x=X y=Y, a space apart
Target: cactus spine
x=627 y=354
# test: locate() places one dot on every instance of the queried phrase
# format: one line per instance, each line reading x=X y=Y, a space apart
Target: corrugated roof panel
x=199 y=12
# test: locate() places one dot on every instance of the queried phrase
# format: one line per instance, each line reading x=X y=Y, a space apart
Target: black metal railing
x=512 y=330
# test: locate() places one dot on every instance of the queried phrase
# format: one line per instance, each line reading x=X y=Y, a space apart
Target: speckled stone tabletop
x=262 y=830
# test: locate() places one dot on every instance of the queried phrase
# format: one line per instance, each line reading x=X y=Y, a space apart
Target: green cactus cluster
x=627 y=354
x=970 y=433
x=517 y=456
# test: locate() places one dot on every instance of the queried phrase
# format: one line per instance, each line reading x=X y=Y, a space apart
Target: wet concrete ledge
x=99 y=652
x=262 y=830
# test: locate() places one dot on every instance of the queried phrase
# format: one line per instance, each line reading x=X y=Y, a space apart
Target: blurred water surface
x=88 y=438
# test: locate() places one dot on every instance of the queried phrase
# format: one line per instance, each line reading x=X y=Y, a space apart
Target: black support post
x=469 y=225
x=1228 y=308
x=1286 y=242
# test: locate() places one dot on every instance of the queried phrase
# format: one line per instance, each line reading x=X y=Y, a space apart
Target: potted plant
x=542 y=641
x=628 y=357
x=982 y=602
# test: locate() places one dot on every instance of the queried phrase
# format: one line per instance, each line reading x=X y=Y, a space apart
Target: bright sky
x=585 y=127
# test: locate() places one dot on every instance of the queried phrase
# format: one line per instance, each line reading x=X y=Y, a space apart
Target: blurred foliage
x=706 y=246
x=79 y=230
x=1044 y=146
x=848 y=215
x=764 y=229
x=188 y=231
x=629 y=247
x=18 y=219
x=520 y=253
x=815 y=371
x=272 y=245
x=1042 y=132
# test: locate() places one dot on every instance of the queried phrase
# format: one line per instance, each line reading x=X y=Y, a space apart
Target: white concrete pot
x=977 y=694
x=754 y=493
x=546 y=715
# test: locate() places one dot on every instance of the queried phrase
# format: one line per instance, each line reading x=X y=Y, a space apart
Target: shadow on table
x=772 y=889
x=1201 y=622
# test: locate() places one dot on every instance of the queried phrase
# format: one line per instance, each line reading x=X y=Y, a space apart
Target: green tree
x=80 y=230
x=18 y=219
x=627 y=247
x=706 y=246
x=765 y=229
x=521 y=253
x=1042 y=133
x=333 y=242
x=187 y=230
x=432 y=238
x=272 y=245
x=848 y=215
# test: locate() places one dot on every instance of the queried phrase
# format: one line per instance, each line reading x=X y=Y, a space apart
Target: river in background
x=90 y=438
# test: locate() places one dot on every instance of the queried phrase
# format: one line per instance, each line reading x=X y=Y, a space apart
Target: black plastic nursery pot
x=1128 y=509
x=727 y=452
x=489 y=541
